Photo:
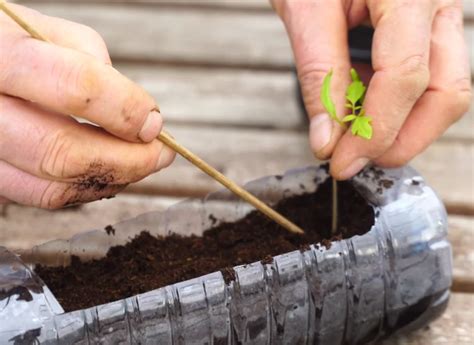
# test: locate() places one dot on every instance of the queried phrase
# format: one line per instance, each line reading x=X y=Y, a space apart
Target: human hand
x=47 y=158
x=420 y=83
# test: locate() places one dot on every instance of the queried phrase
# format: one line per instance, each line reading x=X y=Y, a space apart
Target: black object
x=360 y=44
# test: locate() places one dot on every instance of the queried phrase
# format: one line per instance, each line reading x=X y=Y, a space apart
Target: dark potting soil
x=149 y=262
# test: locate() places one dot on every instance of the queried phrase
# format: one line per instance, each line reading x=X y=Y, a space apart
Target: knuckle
x=463 y=103
x=393 y=160
x=452 y=12
x=384 y=136
x=77 y=84
x=90 y=33
x=457 y=98
x=286 y=9
x=313 y=73
x=310 y=78
x=56 y=155
x=462 y=97
x=96 y=41
x=414 y=74
x=54 y=196
x=402 y=157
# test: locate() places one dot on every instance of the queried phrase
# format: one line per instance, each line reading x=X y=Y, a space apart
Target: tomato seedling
x=355 y=93
x=359 y=121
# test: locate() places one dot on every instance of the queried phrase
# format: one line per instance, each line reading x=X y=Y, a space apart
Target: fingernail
x=320 y=131
x=151 y=128
x=166 y=158
x=353 y=168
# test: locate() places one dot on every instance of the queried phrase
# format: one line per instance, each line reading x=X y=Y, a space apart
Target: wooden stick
x=168 y=140
x=21 y=22
x=228 y=183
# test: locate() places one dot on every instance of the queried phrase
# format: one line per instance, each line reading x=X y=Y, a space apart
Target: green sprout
x=359 y=121
x=355 y=93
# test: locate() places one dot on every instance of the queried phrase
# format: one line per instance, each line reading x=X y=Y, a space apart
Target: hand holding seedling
x=48 y=159
x=419 y=85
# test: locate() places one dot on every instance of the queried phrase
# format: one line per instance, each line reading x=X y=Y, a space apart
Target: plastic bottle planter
x=395 y=277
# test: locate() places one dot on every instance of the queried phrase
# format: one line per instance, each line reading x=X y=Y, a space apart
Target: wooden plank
x=448 y=168
x=263 y=5
x=232 y=4
x=468 y=5
x=23 y=227
x=221 y=96
x=461 y=236
x=468 y=9
x=253 y=39
x=455 y=326
x=189 y=36
x=237 y=97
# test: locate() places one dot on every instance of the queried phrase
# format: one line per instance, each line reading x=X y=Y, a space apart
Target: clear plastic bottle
x=394 y=278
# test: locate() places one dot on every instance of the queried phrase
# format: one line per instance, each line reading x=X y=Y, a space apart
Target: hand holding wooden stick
x=194 y=159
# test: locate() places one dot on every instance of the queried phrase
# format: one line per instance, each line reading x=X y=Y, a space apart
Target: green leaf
x=355 y=127
x=349 y=118
x=355 y=91
x=354 y=75
x=326 y=96
x=361 y=127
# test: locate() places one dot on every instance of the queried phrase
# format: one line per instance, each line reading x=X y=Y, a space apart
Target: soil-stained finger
x=26 y=189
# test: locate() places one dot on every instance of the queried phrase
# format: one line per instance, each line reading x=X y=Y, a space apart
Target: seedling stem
x=359 y=121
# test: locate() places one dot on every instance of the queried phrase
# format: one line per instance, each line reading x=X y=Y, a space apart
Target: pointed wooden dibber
x=169 y=141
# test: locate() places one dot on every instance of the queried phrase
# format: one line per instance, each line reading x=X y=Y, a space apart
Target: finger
x=55 y=147
x=71 y=82
x=400 y=57
x=23 y=188
x=318 y=34
x=61 y=32
x=448 y=96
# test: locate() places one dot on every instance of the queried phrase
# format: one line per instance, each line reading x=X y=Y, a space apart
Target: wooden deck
x=222 y=69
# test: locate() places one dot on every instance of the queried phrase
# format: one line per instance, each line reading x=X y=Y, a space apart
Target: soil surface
x=149 y=262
